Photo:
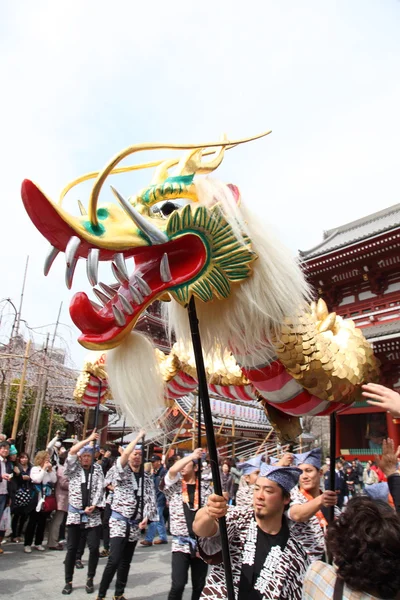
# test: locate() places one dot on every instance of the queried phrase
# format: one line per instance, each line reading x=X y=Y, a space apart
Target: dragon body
x=190 y=235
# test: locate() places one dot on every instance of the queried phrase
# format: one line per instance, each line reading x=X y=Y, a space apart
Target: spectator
x=157 y=527
x=236 y=476
x=21 y=497
x=227 y=482
x=6 y=474
x=61 y=491
x=44 y=478
x=54 y=448
x=351 y=478
x=370 y=476
x=340 y=483
x=365 y=545
x=358 y=471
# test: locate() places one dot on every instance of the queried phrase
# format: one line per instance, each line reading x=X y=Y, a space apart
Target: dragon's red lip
x=157 y=269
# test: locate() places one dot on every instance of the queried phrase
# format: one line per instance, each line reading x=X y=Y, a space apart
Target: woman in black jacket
x=21 y=496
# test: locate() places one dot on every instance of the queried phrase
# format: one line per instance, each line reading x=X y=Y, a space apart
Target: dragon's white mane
x=246 y=321
x=255 y=310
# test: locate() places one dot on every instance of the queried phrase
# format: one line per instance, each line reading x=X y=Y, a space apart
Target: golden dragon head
x=180 y=247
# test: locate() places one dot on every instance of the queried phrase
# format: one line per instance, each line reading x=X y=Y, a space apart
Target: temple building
x=356 y=270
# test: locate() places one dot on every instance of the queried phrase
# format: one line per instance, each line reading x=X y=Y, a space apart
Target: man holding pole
x=308 y=514
x=267 y=561
x=133 y=505
x=86 y=496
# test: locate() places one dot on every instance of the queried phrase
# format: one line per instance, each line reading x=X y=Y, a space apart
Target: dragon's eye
x=168 y=207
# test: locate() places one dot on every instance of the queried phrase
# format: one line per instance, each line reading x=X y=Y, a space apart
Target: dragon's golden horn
x=143 y=147
x=322 y=310
x=161 y=173
x=82 y=209
x=328 y=323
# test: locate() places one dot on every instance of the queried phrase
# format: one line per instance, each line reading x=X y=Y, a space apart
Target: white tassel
x=135 y=380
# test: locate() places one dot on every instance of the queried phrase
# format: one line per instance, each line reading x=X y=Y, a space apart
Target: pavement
x=40 y=575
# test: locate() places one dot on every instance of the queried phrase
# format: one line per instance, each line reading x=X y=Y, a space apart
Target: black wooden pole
x=332 y=471
x=142 y=482
x=200 y=466
x=96 y=422
x=123 y=432
x=212 y=447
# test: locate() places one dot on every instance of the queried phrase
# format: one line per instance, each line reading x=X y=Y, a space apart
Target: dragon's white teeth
x=71 y=259
x=107 y=290
x=71 y=249
x=100 y=296
x=95 y=305
x=92 y=266
x=118 y=316
x=120 y=264
x=154 y=235
x=136 y=296
x=165 y=271
x=50 y=257
x=126 y=307
x=69 y=272
x=142 y=285
x=118 y=275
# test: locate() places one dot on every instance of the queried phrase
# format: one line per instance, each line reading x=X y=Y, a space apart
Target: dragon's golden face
x=180 y=248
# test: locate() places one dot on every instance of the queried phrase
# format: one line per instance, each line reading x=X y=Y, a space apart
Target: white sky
x=82 y=80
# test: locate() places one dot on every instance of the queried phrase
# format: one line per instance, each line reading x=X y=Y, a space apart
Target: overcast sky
x=82 y=80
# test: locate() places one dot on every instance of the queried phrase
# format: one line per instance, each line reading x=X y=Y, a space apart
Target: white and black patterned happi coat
x=244 y=496
x=309 y=533
x=283 y=572
x=74 y=472
x=172 y=489
x=127 y=501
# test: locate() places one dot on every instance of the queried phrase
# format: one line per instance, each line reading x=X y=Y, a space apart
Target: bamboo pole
x=181 y=427
x=50 y=426
x=221 y=426
x=20 y=392
x=265 y=440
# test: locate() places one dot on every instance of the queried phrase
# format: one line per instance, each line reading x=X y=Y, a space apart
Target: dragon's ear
x=235 y=191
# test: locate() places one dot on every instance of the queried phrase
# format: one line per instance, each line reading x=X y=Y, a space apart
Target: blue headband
x=286 y=477
x=251 y=465
x=88 y=450
x=313 y=457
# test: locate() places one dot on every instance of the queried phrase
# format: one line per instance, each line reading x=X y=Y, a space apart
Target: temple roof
x=350 y=233
x=382 y=330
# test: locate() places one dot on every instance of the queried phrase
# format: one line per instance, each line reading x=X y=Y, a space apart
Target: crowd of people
x=290 y=535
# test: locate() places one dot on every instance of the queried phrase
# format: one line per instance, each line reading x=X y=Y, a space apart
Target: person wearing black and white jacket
x=181 y=488
x=133 y=505
x=86 y=497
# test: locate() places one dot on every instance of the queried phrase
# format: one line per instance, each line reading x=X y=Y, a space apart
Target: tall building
x=356 y=270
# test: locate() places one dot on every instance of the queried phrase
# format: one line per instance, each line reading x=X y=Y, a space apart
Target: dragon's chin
x=158 y=269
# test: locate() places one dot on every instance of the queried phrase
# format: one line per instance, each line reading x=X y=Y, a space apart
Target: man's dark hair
x=365 y=544
x=4 y=444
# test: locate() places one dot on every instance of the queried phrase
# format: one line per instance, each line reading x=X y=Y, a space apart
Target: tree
x=30 y=395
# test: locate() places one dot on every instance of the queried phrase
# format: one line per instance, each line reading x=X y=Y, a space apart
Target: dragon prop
x=191 y=236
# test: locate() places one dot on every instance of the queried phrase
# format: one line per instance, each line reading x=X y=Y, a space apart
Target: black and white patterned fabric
x=172 y=489
x=109 y=479
x=282 y=575
x=244 y=496
x=127 y=502
x=75 y=473
x=310 y=534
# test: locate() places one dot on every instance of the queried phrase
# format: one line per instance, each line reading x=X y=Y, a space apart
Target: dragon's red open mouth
x=157 y=269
